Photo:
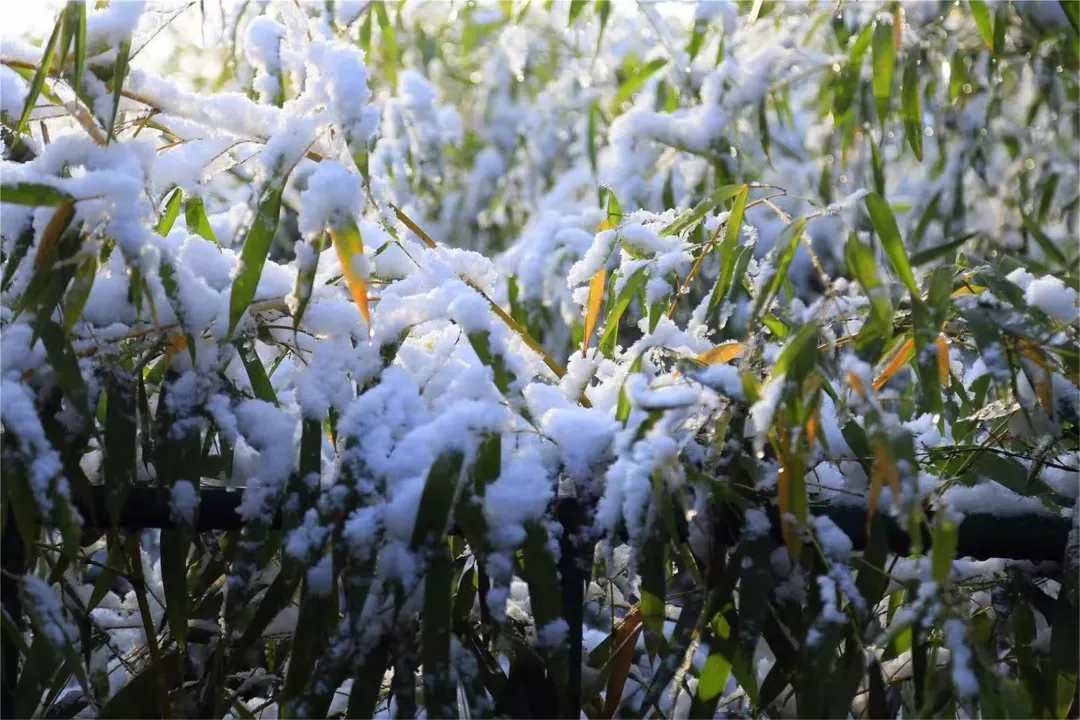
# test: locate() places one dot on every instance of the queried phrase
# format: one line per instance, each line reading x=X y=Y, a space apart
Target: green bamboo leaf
x=931 y=254
x=878 y=165
x=197 y=221
x=728 y=255
x=763 y=128
x=277 y=597
x=697 y=39
x=786 y=245
x=881 y=215
x=1001 y=22
x=65 y=366
x=389 y=47
x=848 y=83
x=694 y=215
x=911 y=106
x=18 y=252
x=79 y=9
x=253 y=256
x=541 y=575
x=79 y=292
x=31 y=193
x=591 y=132
x=615 y=312
x=439 y=687
x=603 y=11
x=120 y=436
x=884 y=60
x=1049 y=247
x=634 y=82
x=980 y=13
x=260 y=382
x=313 y=626
x=107 y=576
x=42 y=72
x=862 y=266
x=63 y=637
x=432 y=515
x=123 y=55
x=576 y=6
x=367 y=682
x=1072 y=12
x=676 y=647
x=175 y=545
x=171 y=212
x=943 y=550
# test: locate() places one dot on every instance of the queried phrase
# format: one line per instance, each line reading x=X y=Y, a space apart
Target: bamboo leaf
x=576 y=6
x=695 y=214
x=634 y=82
x=171 y=212
x=622 y=657
x=888 y=232
x=439 y=687
x=260 y=381
x=943 y=550
x=722 y=353
x=47 y=248
x=899 y=359
x=980 y=13
x=42 y=72
x=786 y=244
x=65 y=366
x=79 y=8
x=79 y=293
x=350 y=251
x=912 y=107
x=616 y=310
x=848 y=83
x=305 y=279
x=175 y=544
x=32 y=193
x=595 y=303
x=884 y=59
x=197 y=221
x=590 y=147
x=728 y=259
x=123 y=55
x=433 y=512
x=253 y=256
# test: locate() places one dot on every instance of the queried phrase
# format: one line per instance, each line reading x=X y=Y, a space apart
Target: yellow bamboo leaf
x=900 y=358
x=592 y=313
x=177 y=343
x=722 y=353
x=783 y=492
x=57 y=224
x=884 y=472
x=622 y=656
x=969 y=290
x=1042 y=382
x=350 y=251
x=943 y=360
x=417 y=230
x=856 y=384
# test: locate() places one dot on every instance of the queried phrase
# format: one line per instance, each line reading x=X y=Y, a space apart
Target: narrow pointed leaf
x=253 y=256
x=881 y=215
x=42 y=72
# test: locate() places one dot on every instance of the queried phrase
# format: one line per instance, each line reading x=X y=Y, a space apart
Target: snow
x=1053 y=297
x=183 y=502
x=488 y=151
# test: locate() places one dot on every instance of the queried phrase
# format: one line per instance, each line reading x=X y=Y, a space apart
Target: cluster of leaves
x=725 y=359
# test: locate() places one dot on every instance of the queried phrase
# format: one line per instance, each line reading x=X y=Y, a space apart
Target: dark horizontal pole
x=1034 y=537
